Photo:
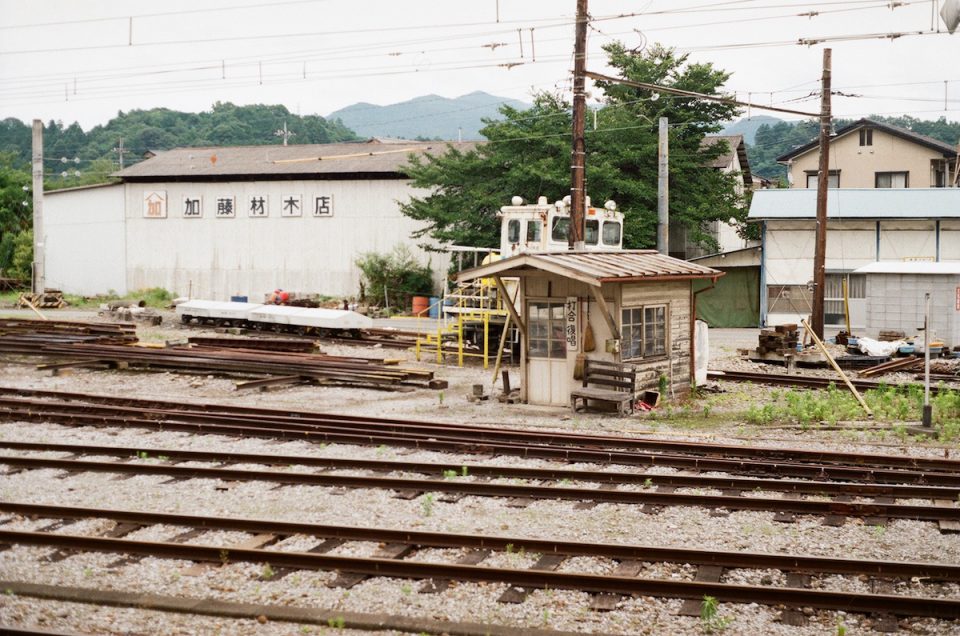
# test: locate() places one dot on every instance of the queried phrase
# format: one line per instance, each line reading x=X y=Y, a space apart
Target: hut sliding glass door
x=548 y=379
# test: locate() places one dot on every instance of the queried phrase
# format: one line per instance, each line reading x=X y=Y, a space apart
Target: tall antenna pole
x=823 y=179
x=578 y=155
x=38 y=282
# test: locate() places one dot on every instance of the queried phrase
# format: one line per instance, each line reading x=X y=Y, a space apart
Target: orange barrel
x=420 y=305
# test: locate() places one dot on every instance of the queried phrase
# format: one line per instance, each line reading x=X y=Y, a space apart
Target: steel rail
x=466 y=445
x=481 y=470
x=540 y=579
x=654 y=554
x=779 y=379
x=486 y=489
x=266 y=418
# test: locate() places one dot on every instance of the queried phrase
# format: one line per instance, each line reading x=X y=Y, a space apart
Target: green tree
x=16 y=202
x=528 y=154
x=21 y=255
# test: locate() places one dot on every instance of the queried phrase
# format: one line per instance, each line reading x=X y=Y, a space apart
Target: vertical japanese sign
x=226 y=207
x=258 y=206
x=571 y=320
x=192 y=207
x=323 y=205
x=291 y=205
x=958 y=298
x=155 y=204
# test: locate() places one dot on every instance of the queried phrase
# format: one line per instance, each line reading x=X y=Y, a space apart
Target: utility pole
x=823 y=179
x=38 y=283
x=285 y=134
x=663 y=188
x=578 y=155
x=120 y=151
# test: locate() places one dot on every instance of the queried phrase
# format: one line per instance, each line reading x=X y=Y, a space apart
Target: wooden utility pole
x=823 y=181
x=578 y=155
x=663 y=188
x=38 y=282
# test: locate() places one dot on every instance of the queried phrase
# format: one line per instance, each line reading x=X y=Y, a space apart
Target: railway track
x=83 y=409
x=810 y=382
x=624 y=578
x=471 y=480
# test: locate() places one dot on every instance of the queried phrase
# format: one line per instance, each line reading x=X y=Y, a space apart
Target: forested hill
x=160 y=129
x=771 y=141
x=427 y=117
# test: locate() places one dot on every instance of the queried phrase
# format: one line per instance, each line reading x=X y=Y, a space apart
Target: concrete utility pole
x=663 y=189
x=38 y=282
x=578 y=155
x=823 y=180
x=120 y=151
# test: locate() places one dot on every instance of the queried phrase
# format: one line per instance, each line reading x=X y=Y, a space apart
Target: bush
x=396 y=276
x=21 y=260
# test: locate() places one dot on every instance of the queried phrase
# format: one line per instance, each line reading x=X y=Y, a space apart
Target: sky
x=75 y=60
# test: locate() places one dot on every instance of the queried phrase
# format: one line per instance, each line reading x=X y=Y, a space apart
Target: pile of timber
x=115 y=346
x=49 y=299
x=12 y=284
x=30 y=336
x=781 y=339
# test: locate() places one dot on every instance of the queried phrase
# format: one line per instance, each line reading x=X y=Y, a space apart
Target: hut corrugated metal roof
x=376 y=156
x=598 y=267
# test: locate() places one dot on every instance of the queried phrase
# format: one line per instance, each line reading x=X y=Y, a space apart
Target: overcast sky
x=83 y=61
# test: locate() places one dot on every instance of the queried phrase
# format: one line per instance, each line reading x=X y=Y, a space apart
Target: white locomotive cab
x=545 y=227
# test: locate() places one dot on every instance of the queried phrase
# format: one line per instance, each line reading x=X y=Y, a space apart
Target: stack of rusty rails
x=910 y=363
x=30 y=336
x=268 y=368
x=288 y=345
x=626 y=576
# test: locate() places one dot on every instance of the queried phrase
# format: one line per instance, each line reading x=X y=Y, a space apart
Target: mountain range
x=425 y=117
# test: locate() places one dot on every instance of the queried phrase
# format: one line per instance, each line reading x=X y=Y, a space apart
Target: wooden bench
x=621 y=379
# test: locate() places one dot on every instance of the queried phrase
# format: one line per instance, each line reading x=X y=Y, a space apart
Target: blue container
x=434 y=307
x=238 y=299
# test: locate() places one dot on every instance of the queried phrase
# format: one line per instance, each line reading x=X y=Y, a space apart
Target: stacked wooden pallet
x=49 y=299
x=781 y=339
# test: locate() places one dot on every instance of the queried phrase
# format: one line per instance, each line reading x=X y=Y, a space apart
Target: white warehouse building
x=237 y=221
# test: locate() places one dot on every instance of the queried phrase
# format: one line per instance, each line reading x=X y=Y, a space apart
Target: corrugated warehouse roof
x=370 y=157
x=928 y=268
x=857 y=203
x=595 y=268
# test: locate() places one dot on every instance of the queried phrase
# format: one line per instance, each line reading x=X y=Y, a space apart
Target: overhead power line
x=714 y=98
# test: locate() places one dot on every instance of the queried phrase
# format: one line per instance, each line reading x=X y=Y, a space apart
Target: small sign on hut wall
x=571 y=323
x=958 y=298
x=155 y=204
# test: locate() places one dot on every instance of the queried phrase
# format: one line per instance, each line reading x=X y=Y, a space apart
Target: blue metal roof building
x=856 y=203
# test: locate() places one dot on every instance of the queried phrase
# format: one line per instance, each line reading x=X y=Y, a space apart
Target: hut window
x=545 y=324
x=611 y=233
x=644 y=331
x=513 y=231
